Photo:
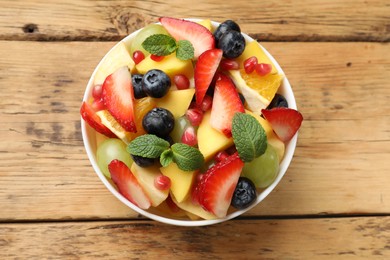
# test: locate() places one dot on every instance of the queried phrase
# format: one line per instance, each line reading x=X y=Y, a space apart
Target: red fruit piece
x=189 y=137
x=215 y=189
x=263 y=69
x=195 y=116
x=200 y=37
x=118 y=96
x=284 y=121
x=181 y=81
x=162 y=182
x=226 y=103
x=89 y=116
x=250 y=64
x=204 y=72
x=227 y=64
x=138 y=56
x=128 y=185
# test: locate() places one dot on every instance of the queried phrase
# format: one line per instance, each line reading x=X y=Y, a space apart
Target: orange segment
x=266 y=85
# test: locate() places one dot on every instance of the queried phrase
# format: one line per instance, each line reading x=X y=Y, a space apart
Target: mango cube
x=170 y=65
x=210 y=140
x=253 y=48
x=181 y=181
x=176 y=101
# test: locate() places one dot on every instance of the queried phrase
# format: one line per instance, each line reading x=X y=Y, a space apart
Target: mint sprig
x=149 y=146
x=186 y=157
x=163 y=45
x=249 y=137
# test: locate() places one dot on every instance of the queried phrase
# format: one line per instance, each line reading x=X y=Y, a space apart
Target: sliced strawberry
x=215 y=189
x=284 y=121
x=128 y=185
x=226 y=103
x=205 y=69
x=200 y=37
x=118 y=97
x=89 y=116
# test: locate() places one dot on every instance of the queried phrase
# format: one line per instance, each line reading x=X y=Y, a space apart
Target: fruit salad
x=188 y=118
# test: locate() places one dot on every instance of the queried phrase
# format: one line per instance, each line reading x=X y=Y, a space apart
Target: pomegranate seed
x=138 y=56
x=189 y=137
x=206 y=104
x=263 y=69
x=195 y=116
x=97 y=91
x=229 y=64
x=249 y=64
x=98 y=104
x=221 y=156
x=162 y=182
x=181 y=81
x=156 y=58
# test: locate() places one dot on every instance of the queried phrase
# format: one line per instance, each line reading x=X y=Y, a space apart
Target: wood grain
x=305 y=20
x=340 y=165
x=342 y=238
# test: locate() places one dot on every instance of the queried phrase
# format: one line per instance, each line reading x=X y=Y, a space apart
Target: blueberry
x=156 y=83
x=136 y=79
x=227 y=25
x=278 y=101
x=244 y=194
x=143 y=161
x=158 y=121
x=232 y=43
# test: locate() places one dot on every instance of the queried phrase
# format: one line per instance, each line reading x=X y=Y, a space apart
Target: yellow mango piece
x=116 y=58
x=176 y=101
x=210 y=140
x=272 y=138
x=170 y=65
x=253 y=48
x=206 y=23
x=196 y=210
x=181 y=181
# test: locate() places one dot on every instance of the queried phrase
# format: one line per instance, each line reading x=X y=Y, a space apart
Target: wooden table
x=334 y=201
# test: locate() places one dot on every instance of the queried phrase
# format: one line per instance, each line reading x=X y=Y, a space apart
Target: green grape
x=136 y=44
x=181 y=124
x=264 y=169
x=109 y=150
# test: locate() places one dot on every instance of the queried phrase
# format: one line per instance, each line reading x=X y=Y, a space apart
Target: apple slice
x=146 y=177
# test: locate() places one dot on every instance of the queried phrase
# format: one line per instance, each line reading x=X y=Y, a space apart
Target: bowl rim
x=283 y=166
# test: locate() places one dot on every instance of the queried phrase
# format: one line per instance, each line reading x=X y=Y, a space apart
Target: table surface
x=334 y=201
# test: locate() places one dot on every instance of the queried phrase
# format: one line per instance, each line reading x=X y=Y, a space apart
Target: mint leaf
x=249 y=137
x=187 y=157
x=166 y=157
x=160 y=44
x=149 y=146
x=185 y=50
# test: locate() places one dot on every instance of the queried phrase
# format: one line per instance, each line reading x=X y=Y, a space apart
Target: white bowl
x=89 y=139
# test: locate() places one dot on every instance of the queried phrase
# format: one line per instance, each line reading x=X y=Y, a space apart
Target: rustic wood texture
x=334 y=201
x=342 y=238
x=304 y=20
x=339 y=166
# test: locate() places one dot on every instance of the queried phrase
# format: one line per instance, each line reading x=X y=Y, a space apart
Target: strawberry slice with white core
x=284 y=121
x=215 y=189
x=128 y=185
x=200 y=37
x=89 y=115
x=205 y=69
x=118 y=96
x=226 y=103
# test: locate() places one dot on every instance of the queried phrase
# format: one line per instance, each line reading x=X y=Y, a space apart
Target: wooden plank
x=340 y=165
x=322 y=20
x=340 y=238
